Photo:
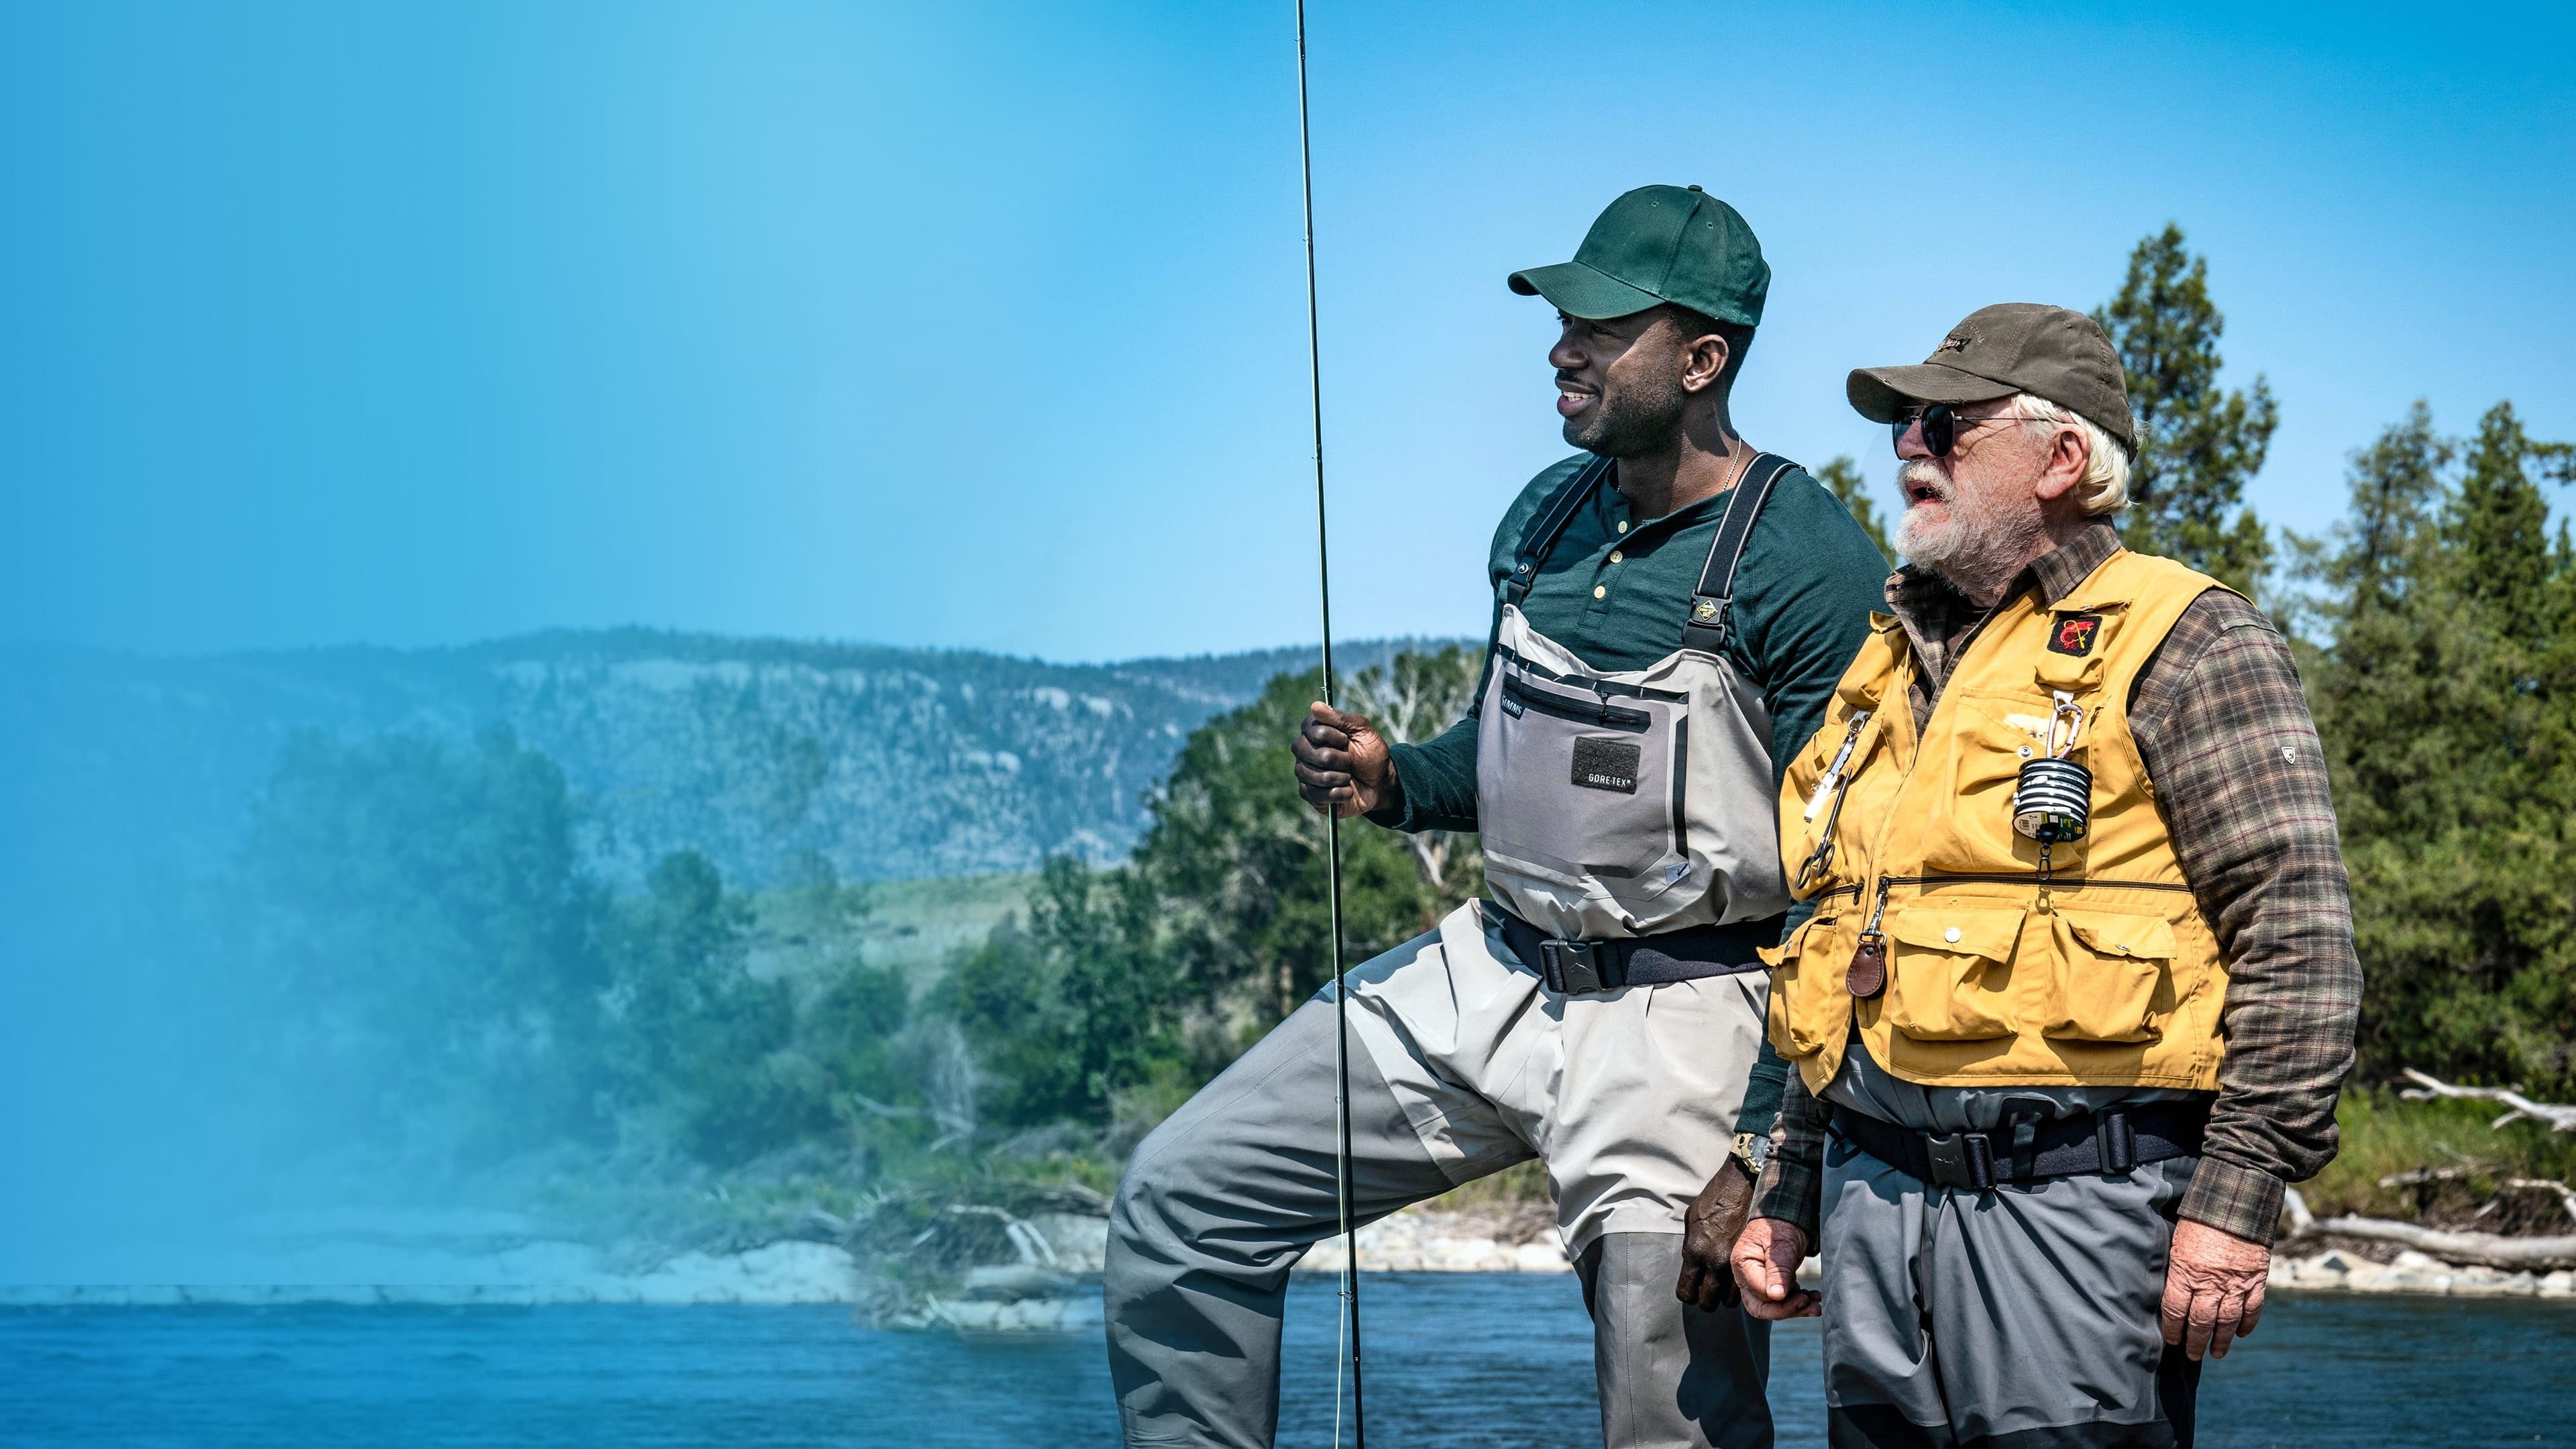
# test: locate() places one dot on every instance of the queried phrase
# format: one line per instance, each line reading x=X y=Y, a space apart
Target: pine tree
x=1842 y=475
x=2446 y=695
x=2499 y=523
x=2197 y=443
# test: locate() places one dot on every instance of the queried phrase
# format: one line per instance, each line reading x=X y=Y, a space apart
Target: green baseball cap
x=1997 y=351
x=1659 y=244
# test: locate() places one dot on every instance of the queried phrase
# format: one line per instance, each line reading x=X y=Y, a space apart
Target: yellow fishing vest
x=2103 y=974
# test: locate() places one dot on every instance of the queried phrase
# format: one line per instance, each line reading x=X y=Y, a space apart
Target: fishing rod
x=1332 y=816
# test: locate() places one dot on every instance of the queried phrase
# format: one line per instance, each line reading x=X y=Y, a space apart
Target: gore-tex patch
x=2074 y=634
x=1607 y=765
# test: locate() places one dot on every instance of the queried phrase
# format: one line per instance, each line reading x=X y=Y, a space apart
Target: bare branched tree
x=950 y=1080
x=1421 y=695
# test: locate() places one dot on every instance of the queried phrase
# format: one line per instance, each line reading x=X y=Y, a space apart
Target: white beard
x=1970 y=537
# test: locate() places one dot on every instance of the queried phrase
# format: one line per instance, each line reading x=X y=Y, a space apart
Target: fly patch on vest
x=2074 y=634
x=1607 y=765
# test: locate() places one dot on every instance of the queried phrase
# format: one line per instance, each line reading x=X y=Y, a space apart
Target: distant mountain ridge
x=893 y=763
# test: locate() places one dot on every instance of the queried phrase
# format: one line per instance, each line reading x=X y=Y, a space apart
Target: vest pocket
x=2112 y=980
x=1992 y=736
x=1809 y=1007
x=1952 y=977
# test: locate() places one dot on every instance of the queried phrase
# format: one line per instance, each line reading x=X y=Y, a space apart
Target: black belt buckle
x=1960 y=1159
x=1573 y=967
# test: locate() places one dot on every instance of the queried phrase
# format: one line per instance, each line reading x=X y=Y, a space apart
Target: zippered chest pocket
x=1994 y=733
x=1585 y=780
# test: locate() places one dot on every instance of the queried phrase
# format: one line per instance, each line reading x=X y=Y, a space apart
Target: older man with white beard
x=2079 y=991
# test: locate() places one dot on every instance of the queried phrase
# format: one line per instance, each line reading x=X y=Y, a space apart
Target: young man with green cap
x=1672 y=607
x=2079 y=989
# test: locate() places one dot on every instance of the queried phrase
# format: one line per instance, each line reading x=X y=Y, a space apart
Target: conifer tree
x=2197 y=442
x=2499 y=523
x=2446 y=696
x=1842 y=476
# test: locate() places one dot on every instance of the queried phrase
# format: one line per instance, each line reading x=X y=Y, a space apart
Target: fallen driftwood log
x=984 y=1254
x=2566 y=1194
x=2560 y=1119
x=2494 y=1250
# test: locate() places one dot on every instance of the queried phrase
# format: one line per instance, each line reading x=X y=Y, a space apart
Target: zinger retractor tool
x=2053 y=800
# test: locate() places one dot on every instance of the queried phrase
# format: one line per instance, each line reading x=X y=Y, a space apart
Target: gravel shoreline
x=1066 y=1296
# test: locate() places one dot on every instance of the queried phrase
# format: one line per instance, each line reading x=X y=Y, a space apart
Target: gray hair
x=2105 y=488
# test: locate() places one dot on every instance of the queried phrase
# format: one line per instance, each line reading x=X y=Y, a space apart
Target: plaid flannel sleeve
x=1792 y=1183
x=2233 y=756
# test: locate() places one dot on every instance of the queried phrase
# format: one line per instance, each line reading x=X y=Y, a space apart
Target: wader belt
x=1576 y=968
x=2029 y=1147
x=1710 y=623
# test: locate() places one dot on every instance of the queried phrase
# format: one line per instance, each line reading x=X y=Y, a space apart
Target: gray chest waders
x=1628 y=817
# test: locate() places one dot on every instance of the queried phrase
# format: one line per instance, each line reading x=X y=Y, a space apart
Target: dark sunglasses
x=1941 y=427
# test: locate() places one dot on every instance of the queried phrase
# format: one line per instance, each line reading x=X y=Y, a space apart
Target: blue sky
x=981 y=325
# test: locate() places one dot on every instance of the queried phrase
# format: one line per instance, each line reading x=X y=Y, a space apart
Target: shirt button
x=1599 y=592
x=1614 y=558
x=1951 y=934
x=1623 y=525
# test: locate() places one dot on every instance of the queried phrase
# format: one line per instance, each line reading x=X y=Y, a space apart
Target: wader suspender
x=1711 y=622
x=1542 y=534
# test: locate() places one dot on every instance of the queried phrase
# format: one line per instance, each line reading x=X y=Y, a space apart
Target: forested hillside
x=887 y=763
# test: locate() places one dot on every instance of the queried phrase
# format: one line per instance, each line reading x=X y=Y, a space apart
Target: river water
x=1453 y=1360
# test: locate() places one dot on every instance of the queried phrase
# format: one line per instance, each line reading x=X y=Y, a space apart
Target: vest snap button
x=1951 y=935
x=2025 y=752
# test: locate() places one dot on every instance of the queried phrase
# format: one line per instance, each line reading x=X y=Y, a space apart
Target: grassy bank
x=2462 y=1165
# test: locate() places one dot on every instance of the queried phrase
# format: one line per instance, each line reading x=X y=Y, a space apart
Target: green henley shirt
x=1616 y=590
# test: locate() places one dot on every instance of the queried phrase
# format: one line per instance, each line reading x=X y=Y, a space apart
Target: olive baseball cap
x=2010 y=347
x=1659 y=244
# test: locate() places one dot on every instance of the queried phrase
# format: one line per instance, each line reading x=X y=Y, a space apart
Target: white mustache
x=1920 y=473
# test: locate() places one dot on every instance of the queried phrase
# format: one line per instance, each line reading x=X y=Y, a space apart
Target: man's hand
x=2213 y=1288
x=1708 y=1233
x=1342 y=763
x=1767 y=1255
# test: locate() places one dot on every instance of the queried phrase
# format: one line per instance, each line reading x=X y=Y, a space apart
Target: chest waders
x=1628 y=815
